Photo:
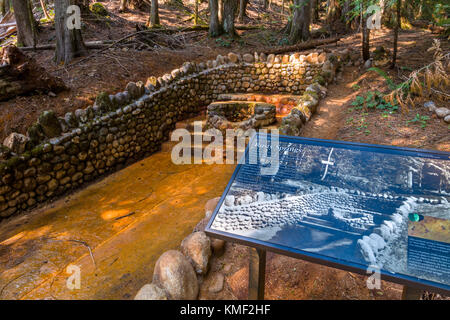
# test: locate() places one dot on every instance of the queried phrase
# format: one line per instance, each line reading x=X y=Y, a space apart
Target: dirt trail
x=329 y=117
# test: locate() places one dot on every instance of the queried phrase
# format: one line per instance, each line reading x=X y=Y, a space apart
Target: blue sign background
x=337 y=203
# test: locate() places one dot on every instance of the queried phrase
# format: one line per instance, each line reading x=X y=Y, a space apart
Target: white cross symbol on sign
x=328 y=163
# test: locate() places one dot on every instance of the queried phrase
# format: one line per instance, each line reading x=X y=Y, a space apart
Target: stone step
x=190 y=125
x=169 y=145
x=255 y=97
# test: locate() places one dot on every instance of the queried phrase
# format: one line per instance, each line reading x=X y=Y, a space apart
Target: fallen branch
x=127 y=215
x=52 y=46
x=302 y=46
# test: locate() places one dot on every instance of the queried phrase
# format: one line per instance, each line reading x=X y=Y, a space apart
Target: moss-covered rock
x=98 y=9
x=320 y=80
x=50 y=124
x=104 y=102
x=35 y=133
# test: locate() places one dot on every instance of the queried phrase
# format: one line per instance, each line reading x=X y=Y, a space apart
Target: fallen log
x=140 y=31
x=52 y=46
x=302 y=46
x=20 y=74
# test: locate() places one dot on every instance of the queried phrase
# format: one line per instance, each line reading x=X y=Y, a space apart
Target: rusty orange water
x=127 y=220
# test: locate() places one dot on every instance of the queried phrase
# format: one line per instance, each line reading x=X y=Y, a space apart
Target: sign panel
x=353 y=206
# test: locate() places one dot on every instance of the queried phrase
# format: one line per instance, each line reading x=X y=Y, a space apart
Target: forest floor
x=111 y=70
x=106 y=228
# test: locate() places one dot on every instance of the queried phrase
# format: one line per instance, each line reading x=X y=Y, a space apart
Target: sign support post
x=410 y=293
x=257 y=274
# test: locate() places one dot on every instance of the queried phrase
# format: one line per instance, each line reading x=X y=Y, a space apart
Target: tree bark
x=26 y=25
x=229 y=12
x=215 y=28
x=333 y=12
x=315 y=11
x=396 y=29
x=242 y=10
x=365 y=34
x=220 y=11
x=69 y=42
x=4 y=7
x=154 y=14
x=301 y=21
x=196 y=12
x=123 y=5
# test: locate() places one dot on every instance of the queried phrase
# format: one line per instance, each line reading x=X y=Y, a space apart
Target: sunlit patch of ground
x=114 y=230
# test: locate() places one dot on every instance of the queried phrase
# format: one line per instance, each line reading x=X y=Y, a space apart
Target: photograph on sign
x=350 y=203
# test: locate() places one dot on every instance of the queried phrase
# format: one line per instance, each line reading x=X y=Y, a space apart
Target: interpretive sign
x=347 y=205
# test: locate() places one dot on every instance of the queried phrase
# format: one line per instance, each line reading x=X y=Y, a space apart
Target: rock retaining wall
x=60 y=154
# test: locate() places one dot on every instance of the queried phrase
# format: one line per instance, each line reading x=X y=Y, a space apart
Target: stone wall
x=60 y=154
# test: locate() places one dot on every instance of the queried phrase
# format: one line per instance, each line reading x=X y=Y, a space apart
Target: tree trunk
x=396 y=29
x=4 y=6
x=123 y=6
x=220 y=12
x=315 y=11
x=365 y=35
x=26 y=25
x=333 y=12
x=346 y=8
x=301 y=21
x=69 y=42
x=265 y=4
x=229 y=12
x=154 y=14
x=196 y=12
x=215 y=28
x=242 y=10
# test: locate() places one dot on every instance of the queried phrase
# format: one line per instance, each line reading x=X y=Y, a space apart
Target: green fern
x=385 y=76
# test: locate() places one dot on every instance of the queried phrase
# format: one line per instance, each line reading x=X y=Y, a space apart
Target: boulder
x=201 y=226
x=368 y=64
x=328 y=67
x=430 y=105
x=16 y=142
x=98 y=9
x=174 y=274
x=249 y=58
x=50 y=124
x=233 y=57
x=197 y=248
x=81 y=115
x=133 y=90
x=442 y=112
x=151 y=292
x=291 y=125
x=447 y=119
x=71 y=120
x=35 y=133
x=216 y=284
x=5 y=153
x=210 y=206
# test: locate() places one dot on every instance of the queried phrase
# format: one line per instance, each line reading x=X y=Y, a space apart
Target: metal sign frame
x=260 y=245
